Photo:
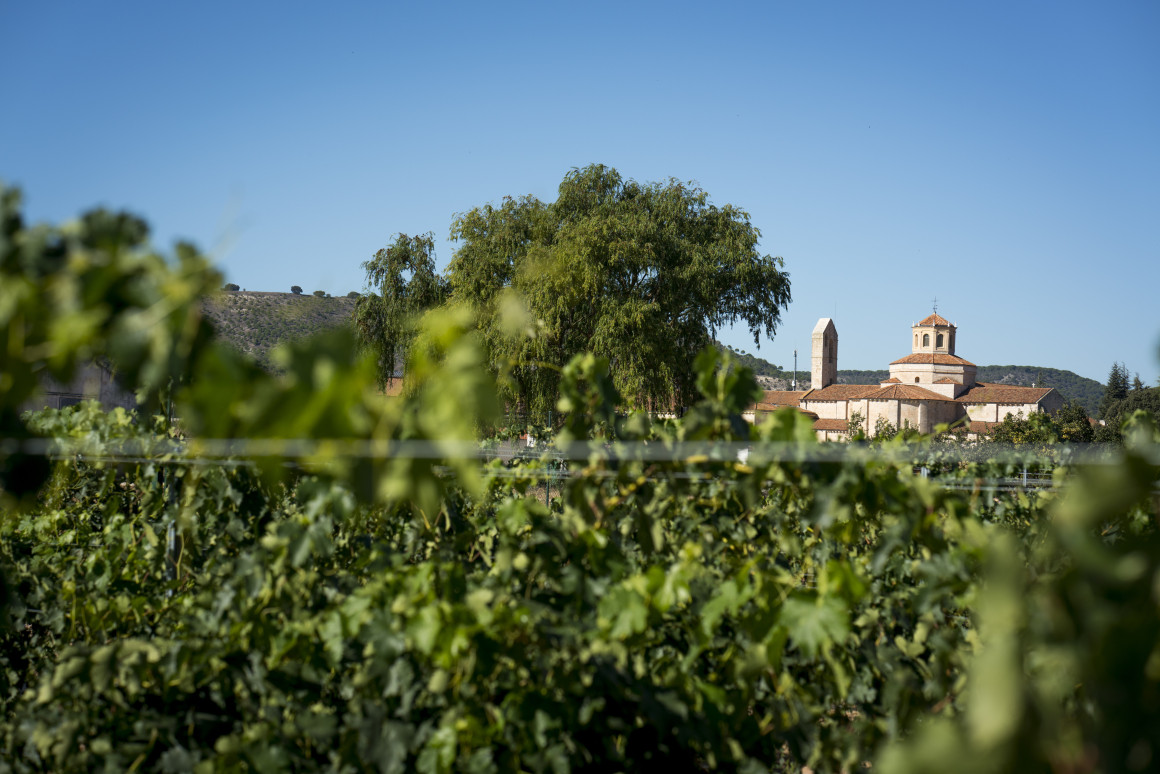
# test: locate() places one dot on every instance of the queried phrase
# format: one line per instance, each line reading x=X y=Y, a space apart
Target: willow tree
x=644 y=274
x=401 y=285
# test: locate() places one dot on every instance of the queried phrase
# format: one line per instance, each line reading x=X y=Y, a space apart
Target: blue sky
x=1002 y=157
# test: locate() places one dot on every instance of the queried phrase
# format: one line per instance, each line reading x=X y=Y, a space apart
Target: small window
x=916 y=380
x=939 y=340
x=926 y=339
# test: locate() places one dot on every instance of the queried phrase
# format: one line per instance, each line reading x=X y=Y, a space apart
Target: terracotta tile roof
x=841 y=392
x=945 y=380
x=936 y=319
x=775 y=399
x=904 y=392
x=783 y=397
x=892 y=380
x=767 y=407
x=830 y=424
x=982 y=428
x=1003 y=393
x=937 y=358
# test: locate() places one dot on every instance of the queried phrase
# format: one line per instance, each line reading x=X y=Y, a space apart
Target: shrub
x=320 y=293
x=296 y=289
x=231 y=287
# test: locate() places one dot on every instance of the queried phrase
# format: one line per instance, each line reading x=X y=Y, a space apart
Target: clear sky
x=1003 y=157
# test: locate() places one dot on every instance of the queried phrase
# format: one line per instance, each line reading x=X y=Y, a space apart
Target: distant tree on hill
x=231 y=287
x=296 y=289
x=353 y=294
x=1116 y=390
x=320 y=293
x=1136 y=383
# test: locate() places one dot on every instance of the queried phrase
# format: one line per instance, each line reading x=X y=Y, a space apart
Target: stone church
x=930 y=386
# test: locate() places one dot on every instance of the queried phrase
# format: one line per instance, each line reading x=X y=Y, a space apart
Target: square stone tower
x=824 y=355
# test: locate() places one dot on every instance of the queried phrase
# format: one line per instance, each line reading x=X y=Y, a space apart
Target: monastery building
x=930 y=386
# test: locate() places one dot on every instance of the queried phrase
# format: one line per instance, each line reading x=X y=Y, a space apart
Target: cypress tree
x=1116 y=389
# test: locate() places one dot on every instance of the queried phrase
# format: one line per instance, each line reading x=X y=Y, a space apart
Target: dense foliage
x=402 y=284
x=300 y=574
x=1115 y=390
x=642 y=274
x=1068 y=425
x=1146 y=399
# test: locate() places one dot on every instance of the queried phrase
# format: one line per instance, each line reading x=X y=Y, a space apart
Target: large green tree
x=1147 y=399
x=1116 y=389
x=401 y=284
x=643 y=274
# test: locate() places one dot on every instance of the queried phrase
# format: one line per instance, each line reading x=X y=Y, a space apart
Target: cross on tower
x=935 y=303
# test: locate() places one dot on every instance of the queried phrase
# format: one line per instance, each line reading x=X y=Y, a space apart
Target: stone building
x=930 y=386
x=92 y=381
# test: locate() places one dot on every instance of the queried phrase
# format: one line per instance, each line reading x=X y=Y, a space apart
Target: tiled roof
x=892 y=380
x=783 y=397
x=772 y=400
x=937 y=358
x=830 y=424
x=841 y=392
x=1002 y=393
x=945 y=380
x=935 y=319
x=982 y=428
x=767 y=407
x=904 y=392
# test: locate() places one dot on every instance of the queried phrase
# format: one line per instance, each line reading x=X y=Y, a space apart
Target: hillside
x=256 y=322
x=1086 y=392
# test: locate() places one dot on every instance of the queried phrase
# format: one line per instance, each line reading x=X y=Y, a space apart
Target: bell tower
x=824 y=355
x=933 y=334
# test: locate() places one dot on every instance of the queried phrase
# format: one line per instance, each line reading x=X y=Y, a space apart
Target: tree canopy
x=643 y=274
x=1116 y=390
x=401 y=284
x=1147 y=400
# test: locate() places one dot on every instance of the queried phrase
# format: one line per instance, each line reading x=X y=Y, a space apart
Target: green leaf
x=815 y=623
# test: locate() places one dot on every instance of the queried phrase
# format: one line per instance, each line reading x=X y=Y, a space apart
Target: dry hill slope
x=255 y=323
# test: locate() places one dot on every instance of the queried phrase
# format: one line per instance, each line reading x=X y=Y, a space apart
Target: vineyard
x=286 y=571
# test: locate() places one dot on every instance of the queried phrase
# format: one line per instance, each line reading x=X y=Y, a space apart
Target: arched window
x=939 y=340
x=916 y=380
x=916 y=339
x=926 y=339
